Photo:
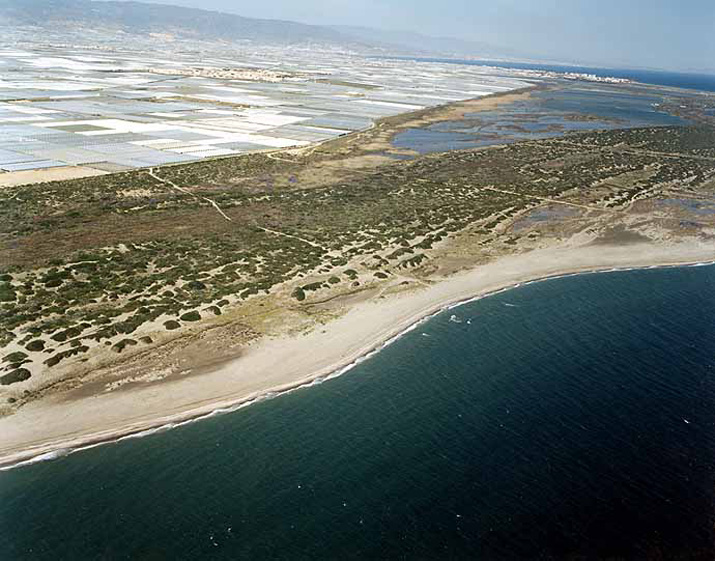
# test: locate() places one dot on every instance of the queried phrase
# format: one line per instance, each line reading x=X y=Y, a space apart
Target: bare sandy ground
x=279 y=364
x=13 y=178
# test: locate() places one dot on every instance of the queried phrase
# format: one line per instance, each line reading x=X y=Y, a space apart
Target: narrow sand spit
x=277 y=365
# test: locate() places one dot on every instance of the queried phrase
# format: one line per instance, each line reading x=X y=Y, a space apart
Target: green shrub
x=6 y=337
x=249 y=292
x=7 y=294
x=128 y=326
x=18 y=375
x=61 y=336
x=54 y=360
x=123 y=344
x=191 y=316
x=172 y=324
x=17 y=356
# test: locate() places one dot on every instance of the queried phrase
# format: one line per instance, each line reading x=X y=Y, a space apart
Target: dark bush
x=18 y=375
x=191 y=316
x=53 y=360
x=123 y=344
x=7 y=294
x=17 y=356
x=67 y=333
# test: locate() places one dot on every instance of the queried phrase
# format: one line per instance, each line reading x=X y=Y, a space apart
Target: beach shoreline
x=52 y=427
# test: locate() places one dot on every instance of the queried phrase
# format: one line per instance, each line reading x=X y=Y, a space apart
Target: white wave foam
x=63 y=452
x=46 y=457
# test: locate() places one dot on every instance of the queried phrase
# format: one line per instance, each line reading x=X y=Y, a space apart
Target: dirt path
x=274 y=156
x=277 y=233
x=187 y=192
x=546 y=199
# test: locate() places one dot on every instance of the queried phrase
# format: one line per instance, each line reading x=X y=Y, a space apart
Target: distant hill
x=419 y=43
x=141 y=18
x=138 y=17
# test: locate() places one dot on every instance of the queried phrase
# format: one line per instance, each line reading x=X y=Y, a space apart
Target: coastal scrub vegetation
x=91 y=261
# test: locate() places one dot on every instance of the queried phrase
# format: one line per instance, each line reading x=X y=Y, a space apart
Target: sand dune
x=279 y=364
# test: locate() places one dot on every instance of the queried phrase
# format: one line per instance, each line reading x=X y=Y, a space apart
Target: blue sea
x=572 y=418
x=686 y=80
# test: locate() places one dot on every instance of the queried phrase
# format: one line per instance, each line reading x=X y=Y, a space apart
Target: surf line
x=93 y=442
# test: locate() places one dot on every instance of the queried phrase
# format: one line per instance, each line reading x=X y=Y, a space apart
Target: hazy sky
x=676 y=34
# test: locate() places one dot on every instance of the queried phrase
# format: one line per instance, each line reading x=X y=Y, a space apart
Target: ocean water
x=567 y=419
x=686 y=80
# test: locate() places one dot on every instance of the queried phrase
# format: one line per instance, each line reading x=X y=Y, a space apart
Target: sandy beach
x=55 y=425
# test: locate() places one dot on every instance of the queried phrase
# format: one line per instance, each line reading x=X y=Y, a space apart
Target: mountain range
x=142 y=18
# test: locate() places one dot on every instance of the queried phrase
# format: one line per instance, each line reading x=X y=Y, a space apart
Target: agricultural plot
x=118 y=108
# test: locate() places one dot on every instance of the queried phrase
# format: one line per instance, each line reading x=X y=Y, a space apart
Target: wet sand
x=283 y=363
